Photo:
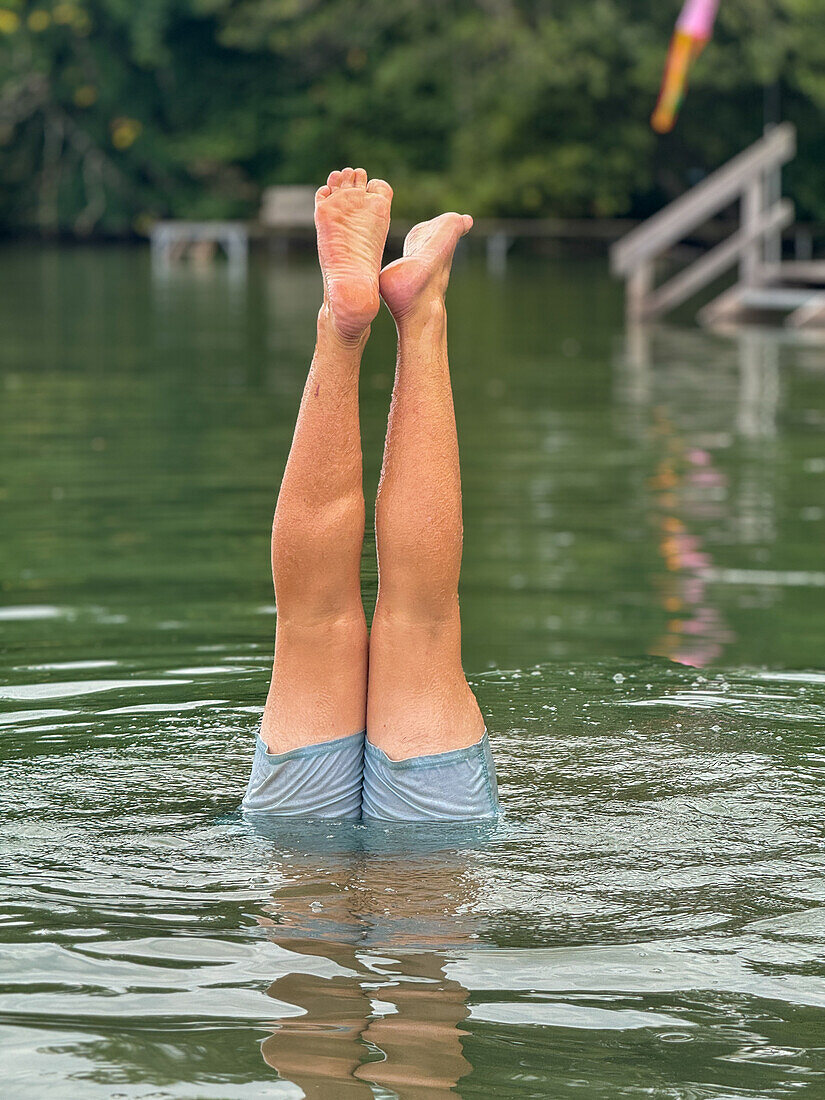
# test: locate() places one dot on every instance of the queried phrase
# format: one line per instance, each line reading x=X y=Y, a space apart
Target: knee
x=316 y=557
x=307 y=525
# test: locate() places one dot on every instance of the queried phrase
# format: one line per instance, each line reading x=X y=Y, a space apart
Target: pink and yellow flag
x=693 y=30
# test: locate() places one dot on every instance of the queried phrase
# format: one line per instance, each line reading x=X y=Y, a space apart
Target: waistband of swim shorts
x=433 y=760
x=338 y=744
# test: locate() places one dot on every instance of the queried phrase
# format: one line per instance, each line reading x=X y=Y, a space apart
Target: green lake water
x=644 y=617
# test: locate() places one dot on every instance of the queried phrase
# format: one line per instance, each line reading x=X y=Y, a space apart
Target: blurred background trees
x=115 y=112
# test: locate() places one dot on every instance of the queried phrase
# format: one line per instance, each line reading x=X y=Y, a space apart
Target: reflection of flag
x=693 y=30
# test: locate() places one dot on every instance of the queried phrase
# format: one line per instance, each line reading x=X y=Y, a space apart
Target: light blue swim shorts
x=322 y=780
x=349 y=778
x=459 y=785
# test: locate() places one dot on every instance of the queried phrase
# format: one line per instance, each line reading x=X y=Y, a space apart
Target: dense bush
x=113 y=112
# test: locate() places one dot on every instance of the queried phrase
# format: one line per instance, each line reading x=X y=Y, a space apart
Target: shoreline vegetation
x=114 y=115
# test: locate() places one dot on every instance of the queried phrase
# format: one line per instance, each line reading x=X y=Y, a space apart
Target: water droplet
x=676 y=1037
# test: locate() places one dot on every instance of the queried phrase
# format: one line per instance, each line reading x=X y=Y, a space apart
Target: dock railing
x=172 y=240
x=752 y=177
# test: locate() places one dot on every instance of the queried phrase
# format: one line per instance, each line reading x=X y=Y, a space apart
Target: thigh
x=418 y=699
x=319 y=682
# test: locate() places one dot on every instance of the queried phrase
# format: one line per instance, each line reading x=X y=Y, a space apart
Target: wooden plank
x=752 y=257
x=800 y=271
x=639 y=287
x=726 y=307
x=576 y=229
x=776 y=298
x=607 y=229
x=719 y=259
x=809 y=315
x=740 y=299
x=704 y=200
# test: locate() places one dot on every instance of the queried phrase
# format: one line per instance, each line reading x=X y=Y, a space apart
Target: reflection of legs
x=312 y=914
x=419 y=701
x=321 y=1050
x=371 y=909
x=319 y=681
x=422 y=1040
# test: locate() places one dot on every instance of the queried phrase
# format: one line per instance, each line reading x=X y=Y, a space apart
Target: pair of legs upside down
x=380 y=725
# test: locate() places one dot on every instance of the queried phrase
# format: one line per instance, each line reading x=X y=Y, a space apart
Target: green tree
x=112 y=112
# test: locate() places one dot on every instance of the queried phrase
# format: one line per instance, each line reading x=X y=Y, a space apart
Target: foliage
x=114 y=112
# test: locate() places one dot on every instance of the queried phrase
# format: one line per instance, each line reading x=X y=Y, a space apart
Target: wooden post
x=498 y=245
x=753 y=203
x=773 y=195
x=235 y=243
x=639 y=286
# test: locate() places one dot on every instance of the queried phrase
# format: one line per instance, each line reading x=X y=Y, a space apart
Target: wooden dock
x=793 y=292
x=173 y=241
x=287 y=214
x=287 y=218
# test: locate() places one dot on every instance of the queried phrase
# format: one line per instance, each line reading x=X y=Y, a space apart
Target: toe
x=322 y=193
x=468 y=222
x=360 y=178
x=347 y=177
x=380 y=187
x=334 y=180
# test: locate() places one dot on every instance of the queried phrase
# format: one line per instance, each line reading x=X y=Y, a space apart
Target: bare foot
x=352 y=218
x=421 y=275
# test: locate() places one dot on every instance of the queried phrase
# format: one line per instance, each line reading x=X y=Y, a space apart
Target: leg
x=419 y=702
x=319 y=680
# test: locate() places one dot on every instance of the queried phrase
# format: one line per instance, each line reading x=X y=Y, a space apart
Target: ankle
x=343 y=337
x=426 y=314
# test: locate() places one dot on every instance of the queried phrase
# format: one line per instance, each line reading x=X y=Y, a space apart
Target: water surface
x=644 y=607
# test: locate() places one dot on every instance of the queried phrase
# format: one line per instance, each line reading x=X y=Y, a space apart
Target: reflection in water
x=695 y=632
x=694 y=415
x=383 y=906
